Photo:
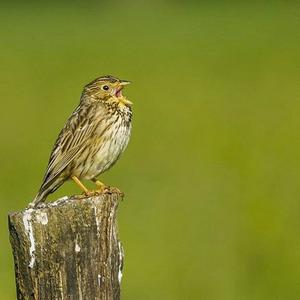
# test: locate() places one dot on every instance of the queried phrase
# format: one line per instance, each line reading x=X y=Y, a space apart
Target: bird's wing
x=70 y=143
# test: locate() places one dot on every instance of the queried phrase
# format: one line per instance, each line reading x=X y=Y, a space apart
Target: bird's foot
x=113 y=189
x=104 y=190
x=101 y=190
x=101 y=187
x=91 y=193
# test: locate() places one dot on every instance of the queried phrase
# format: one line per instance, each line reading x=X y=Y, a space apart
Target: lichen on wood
x=68 y=249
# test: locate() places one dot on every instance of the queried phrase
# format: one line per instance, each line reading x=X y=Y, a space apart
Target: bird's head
x=107 y=89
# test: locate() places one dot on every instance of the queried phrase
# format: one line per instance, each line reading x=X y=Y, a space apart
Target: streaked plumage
x=93 y=137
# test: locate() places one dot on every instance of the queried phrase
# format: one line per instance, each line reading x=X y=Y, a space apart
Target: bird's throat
x=122 y=101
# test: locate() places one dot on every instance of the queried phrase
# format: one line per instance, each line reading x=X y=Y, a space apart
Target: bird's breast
x=110 y=141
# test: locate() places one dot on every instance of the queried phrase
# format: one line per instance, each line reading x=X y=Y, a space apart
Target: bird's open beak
x=119 y=92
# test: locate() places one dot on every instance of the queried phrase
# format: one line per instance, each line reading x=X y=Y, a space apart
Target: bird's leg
x=101 y=186
x=80 y=184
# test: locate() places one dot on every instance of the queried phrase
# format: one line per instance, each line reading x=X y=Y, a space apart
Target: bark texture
x=68 y=249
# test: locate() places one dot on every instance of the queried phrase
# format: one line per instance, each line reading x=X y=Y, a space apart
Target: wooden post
x=68 y=249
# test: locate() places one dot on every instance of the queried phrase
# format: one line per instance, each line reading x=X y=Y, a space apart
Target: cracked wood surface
x=68 y=249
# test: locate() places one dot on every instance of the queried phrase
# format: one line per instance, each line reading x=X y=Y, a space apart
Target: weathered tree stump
x=68 y=249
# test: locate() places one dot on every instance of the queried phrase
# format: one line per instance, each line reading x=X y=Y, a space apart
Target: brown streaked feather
x=70 y=143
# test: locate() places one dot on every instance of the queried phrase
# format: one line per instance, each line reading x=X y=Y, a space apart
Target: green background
x=211 y=174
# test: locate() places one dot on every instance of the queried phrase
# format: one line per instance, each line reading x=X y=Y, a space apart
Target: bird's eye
x=105 y=87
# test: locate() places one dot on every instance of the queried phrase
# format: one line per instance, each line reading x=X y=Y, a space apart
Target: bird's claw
x=104 y=190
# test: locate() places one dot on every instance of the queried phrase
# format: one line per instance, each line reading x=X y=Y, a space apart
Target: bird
x=92 y=140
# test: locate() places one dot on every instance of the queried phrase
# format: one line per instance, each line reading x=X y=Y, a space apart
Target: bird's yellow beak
x=124 y=82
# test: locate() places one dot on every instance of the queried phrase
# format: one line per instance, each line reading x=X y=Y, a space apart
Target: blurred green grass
x=211 y=172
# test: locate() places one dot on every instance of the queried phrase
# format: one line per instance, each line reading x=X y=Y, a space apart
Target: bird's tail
x=40 y=197
x=44 y=191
